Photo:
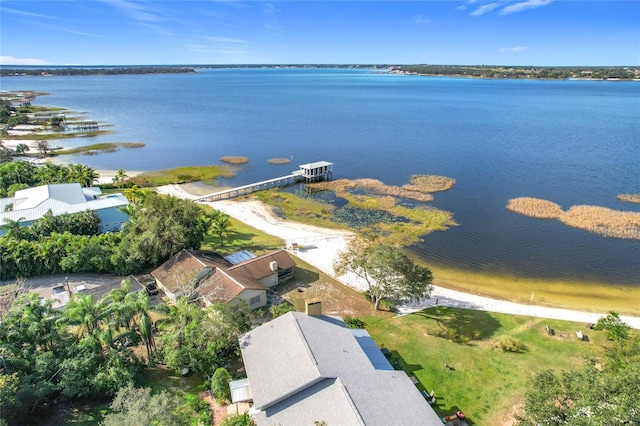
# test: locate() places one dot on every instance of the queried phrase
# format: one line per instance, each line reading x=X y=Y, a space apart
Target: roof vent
x=313 y=307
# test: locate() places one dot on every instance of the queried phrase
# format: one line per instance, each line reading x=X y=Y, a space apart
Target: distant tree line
x=17 y=175
x=554 y=73
x=62 y=71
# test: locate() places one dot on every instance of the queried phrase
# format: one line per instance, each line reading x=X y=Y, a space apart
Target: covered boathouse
x=314 y=172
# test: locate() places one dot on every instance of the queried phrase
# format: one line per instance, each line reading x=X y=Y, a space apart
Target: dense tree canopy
x=388 y=272
x=603 y=392
x=49 y=355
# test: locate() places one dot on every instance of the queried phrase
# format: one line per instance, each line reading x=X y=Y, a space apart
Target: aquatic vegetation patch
x=598 y=220
x=604 y=221
x=429 y=183
x=180 y=175
x=629 y=198
x=230 y=159
x=419 y=188
x=535 y=207
x=366 y=206
x=98 y=148
x=279 y=161
x=365 y=218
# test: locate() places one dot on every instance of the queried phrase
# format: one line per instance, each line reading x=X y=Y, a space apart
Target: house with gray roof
x=29 y=205
x=303 y=369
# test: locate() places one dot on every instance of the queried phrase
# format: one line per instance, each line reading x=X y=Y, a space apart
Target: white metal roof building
x=28 y=205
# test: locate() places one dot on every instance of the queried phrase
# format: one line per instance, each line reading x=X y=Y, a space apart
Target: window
x=254 y=300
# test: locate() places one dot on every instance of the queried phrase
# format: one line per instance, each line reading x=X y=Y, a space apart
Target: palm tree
x=82 y=174
x=221 y=225
x=13 y=228
x=120 y=177
x=85 y=312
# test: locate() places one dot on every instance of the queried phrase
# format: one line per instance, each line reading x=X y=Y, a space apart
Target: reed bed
x=231 y=159
x=429 y=183
x=604 y=221
x=278 y=161
x=629 y=198
x=535 y=207
x=595 y=219
x=375 y=186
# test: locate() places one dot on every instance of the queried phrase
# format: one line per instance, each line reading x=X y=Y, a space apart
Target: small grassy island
x=596 y=219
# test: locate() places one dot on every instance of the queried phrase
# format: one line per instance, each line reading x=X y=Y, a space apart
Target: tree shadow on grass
x=460 y=325
x=398 y=363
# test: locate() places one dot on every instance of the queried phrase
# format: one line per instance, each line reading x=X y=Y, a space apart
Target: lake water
x=571 y=142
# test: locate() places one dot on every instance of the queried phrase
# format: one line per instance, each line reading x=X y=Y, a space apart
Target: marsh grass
x=98 y=148
x=629 y=198
x=535 y=207
x=430 y=183
x=230 y=159
x=380 y=216
x=604 y=221
x=180 y=175
x=279 y=161
x=598 y=220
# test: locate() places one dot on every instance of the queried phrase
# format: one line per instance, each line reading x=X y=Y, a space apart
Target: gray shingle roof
x=289 y=360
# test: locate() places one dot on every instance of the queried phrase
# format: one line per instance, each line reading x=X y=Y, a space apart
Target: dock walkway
x=311 y=172
x=239 y=191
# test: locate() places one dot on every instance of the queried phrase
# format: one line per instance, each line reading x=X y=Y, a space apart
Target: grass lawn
x=483 y=381
x=242 y=237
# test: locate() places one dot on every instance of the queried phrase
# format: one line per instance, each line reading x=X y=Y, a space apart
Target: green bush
x=354 y=322
x=220 y=385
x=509 y=344
x=281 y=309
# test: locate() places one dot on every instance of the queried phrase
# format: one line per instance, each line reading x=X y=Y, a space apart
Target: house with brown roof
x=210 y=278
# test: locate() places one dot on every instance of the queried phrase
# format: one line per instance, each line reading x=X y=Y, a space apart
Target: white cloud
x=12 y=60
x=513 y=49
x=524 y=5
x=270 y=18
x=224 y=40
x=421 y=19
x=485 y=8
x=135 y=11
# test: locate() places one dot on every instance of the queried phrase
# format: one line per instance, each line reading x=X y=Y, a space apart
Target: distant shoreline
x=497 y=72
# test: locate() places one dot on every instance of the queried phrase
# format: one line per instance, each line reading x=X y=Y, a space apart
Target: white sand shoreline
x=321 y=246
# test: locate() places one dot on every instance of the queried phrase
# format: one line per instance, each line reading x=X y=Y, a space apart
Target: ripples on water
x=570 y=142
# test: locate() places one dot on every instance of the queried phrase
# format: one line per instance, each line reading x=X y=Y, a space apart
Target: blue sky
x=132 y=32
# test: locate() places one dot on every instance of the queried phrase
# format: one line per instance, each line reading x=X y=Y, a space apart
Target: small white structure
x=313 y=172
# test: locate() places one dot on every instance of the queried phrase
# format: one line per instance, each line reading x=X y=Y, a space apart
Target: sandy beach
x=320 y=247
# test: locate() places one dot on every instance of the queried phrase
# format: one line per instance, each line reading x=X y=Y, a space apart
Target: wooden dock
x=311 y=172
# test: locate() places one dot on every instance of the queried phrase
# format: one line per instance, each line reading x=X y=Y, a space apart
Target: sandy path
x=321 y=246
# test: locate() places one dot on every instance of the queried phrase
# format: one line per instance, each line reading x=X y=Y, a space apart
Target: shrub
x=354 y=322
x=220 y=385
x=281 y=309
x=509 y=344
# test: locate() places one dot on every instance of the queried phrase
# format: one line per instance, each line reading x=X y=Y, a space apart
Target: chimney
x=274 y=266
x=313 y=307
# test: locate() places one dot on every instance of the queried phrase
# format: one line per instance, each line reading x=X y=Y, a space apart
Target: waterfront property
x=210 y=278
x=310 y=368
x=310 y=172
x=29 y=205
